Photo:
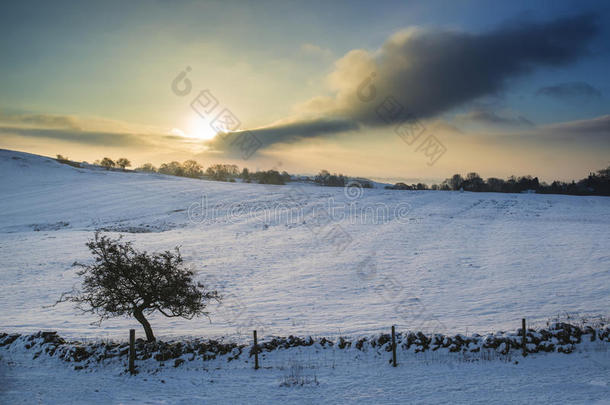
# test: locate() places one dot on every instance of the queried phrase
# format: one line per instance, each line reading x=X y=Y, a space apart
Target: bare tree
x=123 y=163
x=192 y=169
x=126 y=282
x=107 y=163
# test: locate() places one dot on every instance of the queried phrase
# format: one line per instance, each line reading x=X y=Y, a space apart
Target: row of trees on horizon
x=595 y=184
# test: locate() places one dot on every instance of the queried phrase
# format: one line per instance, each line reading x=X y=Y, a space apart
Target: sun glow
x=198 y=129
x=201 y=129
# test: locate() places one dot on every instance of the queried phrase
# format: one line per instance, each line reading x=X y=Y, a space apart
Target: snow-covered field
x=475 y=262
x=306 y=260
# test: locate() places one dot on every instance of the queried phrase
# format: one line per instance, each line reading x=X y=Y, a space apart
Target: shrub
x=147 y=167
x=324 y=178
x=64 y=160
x=269 y=177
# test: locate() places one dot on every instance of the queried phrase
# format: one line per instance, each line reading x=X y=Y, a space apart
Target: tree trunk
x=149 y=332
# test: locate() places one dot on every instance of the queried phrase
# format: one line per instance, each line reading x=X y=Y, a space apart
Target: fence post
x=255 y=352
x=132 y=351
x=524 y=337
x=393 y=346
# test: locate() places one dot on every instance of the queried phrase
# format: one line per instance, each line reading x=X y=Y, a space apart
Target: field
x=306 y=260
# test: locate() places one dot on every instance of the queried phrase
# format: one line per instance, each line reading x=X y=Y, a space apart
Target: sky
x=389 y=90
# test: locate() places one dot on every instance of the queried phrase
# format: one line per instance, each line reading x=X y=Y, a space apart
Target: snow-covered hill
x=300 y=259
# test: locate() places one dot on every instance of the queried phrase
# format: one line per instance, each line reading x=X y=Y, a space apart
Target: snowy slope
x=447 y=261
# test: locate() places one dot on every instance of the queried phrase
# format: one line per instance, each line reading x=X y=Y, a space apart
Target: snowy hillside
x=443 y=261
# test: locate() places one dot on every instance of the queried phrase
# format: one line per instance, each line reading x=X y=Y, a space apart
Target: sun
x=201 y=129
x=198 y=129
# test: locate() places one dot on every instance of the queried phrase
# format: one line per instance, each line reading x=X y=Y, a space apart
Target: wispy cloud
x=487 y=117
x=89 y=131
x=571 y=90
x=593 y=132
x=598 y=127
x=40 y=120
x=316 y=50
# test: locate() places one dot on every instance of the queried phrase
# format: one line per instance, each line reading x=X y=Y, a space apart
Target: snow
x=315 y=375
x=438 y=261
x=458 y=262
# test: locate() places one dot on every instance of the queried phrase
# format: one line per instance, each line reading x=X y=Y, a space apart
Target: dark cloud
x=289 y=132
x=431 y=72
x=428 y=72
x=572 y=90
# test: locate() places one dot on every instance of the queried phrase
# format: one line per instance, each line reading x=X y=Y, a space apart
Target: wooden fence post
x=132 y=351
x=393 y=346
x=524 y=337
x=255 y=352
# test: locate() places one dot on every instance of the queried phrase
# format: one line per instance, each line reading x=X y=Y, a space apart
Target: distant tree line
x=108 y=163
x=266 y=177
x=324 y=178
x=217 y=172
x=418 y=186
x=595 y=184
